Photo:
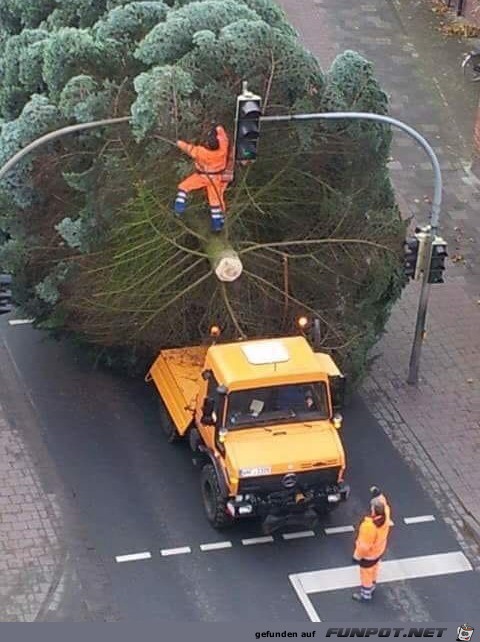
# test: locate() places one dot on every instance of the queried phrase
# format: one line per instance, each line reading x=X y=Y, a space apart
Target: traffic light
x=247 y=126
x=437 y=264
x=5 y=294
x=410 y=257
x=414 y=253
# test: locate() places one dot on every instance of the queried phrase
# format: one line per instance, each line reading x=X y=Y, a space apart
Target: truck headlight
x=333 y=498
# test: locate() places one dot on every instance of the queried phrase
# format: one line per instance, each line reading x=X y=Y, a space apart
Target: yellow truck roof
x=266 y=362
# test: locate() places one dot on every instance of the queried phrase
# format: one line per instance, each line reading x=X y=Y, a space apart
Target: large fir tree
x=86 y=222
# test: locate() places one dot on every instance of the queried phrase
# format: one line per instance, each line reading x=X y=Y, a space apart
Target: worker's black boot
x=358 y=597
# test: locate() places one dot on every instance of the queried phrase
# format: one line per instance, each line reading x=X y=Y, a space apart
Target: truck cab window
x=278 y=404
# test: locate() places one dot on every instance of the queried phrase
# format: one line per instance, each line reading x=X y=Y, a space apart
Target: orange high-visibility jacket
x=372 y=538
x=208 y=161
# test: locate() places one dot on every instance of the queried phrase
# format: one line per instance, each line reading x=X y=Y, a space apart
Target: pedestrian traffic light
x=414 y=253
x=247 y=126
x=5 y=294
x=437 y=264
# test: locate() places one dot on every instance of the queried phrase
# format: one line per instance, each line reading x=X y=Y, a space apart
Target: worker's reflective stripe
x=366 y=592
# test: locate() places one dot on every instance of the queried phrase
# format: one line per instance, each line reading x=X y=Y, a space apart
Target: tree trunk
x=224 y=260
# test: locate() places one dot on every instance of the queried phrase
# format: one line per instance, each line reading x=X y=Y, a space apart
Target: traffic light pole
x=434 y=220
x=58 y=133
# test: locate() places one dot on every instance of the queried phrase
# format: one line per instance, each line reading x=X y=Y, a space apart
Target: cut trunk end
x=224 y=260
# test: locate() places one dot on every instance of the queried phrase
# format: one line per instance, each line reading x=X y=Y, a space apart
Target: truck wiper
x=273 y=418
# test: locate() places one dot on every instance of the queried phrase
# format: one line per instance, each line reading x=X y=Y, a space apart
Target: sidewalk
x=30 y=551
x=436 y=425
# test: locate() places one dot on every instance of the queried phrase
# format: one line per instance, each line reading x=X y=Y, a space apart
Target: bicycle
x=471 y=66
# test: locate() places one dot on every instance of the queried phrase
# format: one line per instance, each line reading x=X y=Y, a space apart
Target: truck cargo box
x=176 y=374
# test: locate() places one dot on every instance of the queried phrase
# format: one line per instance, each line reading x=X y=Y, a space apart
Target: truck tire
x=168 y=427
x=215 y=505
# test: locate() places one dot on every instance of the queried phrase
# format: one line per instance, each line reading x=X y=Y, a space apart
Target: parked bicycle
x=471 y=65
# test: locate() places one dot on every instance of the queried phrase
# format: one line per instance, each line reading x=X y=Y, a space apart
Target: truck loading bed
x=176 y=373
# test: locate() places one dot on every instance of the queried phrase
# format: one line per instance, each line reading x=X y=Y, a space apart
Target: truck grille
x=273 y=483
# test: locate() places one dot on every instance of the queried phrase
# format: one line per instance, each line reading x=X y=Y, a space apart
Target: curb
x=471 y=525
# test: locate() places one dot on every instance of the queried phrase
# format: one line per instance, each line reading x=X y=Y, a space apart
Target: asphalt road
x=134 y=493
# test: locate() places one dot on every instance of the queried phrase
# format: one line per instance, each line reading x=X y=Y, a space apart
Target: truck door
x=209 y=431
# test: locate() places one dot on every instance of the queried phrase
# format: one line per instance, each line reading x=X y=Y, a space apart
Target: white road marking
x=298 y=535
x=215 y=545
x=133 y=557
x=304 y=599
x=419 y=519
x=338 y=529
x=176 y=551
x=345 y=577
x=20 y=321
x=257 y=540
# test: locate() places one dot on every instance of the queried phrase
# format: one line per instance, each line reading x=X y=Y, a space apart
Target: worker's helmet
x=375 y=491
x=212 y=139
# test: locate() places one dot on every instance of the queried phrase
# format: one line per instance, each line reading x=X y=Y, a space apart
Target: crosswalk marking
x=298 y=535
x=257 y=540
x=176 y=551
x=333 y=530
x=212 y=546
x=133 y=557
x=20 y=321
x=344 y=577
x=419 y=519
x=215 y=546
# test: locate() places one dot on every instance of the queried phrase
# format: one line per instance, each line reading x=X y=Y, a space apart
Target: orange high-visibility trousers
x=214 y=185
x=368 y=579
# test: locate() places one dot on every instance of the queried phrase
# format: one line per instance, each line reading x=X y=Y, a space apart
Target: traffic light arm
x=434 y=220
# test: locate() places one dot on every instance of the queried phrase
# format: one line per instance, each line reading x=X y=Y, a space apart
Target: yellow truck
x=262 y=417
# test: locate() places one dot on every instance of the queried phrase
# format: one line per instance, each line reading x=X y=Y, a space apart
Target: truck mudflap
x=293 y=506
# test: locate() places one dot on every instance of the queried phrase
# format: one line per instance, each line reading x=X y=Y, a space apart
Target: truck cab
x=263 y=418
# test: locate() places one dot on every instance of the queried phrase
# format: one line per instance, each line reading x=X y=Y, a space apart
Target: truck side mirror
x=337 y=391
x=208 y=411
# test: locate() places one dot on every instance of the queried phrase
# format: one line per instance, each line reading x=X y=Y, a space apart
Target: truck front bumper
x=284 y=503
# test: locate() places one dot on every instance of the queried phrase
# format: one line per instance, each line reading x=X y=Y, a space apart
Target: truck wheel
x=166 y=423
x=214 y=503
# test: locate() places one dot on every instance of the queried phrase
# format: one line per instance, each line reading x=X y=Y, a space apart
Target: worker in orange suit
x=210 y=174
x=370 y=546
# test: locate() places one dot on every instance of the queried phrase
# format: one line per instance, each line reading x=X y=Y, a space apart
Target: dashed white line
x=215 y=546
x=20 y=321
x=419 y=519
x=298 y=535
x=257 y=540
x=338 y=529
x=133 y=557
x=212 y=546
x=176 y=551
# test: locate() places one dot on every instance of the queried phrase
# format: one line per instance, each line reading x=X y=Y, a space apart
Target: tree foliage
x=86 y=222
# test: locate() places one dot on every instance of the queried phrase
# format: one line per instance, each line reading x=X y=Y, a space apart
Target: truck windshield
x=277 y=404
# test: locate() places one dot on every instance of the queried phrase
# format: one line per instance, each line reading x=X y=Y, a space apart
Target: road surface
x=137 y=499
